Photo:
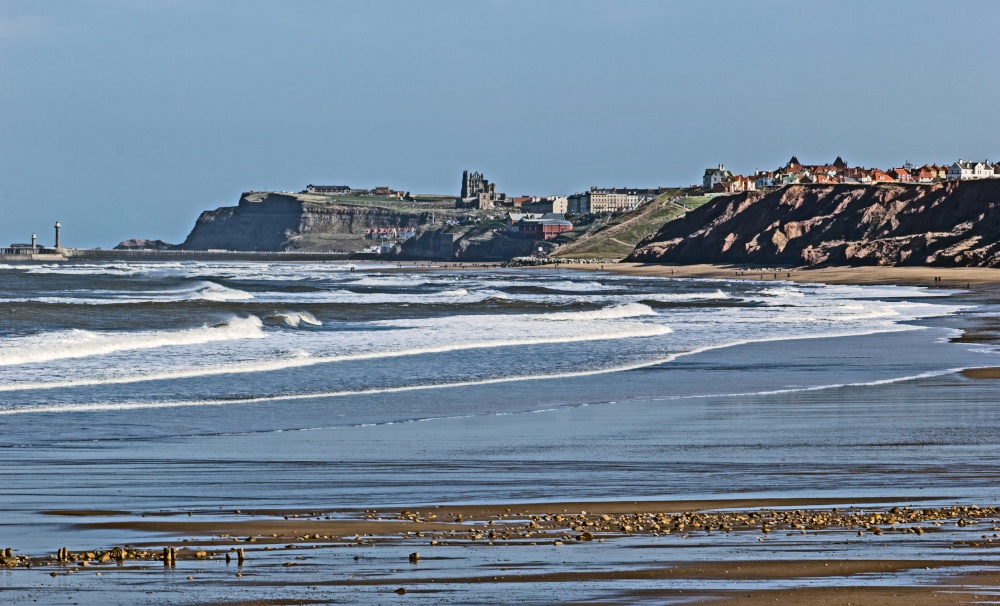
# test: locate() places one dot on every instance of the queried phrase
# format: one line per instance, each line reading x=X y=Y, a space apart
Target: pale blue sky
x=126 y=119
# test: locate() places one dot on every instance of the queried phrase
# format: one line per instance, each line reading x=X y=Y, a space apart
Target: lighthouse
x=58 y=227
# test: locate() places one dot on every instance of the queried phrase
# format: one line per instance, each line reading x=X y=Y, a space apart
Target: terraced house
x=967 y=169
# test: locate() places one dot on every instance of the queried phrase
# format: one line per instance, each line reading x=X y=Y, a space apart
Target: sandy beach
x=952 y=277
x=861 y=542
x=263 y=535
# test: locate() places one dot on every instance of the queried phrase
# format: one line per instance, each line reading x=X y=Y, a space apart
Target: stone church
x=478 y=192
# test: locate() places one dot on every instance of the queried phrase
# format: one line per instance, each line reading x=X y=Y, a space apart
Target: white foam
x=389 y=281
x=692 y=296
x=820 y=312
x=304 y=360
x=295 y=318
x=116 y=406
x=782 y=292
x=61 y=345
x=616 y=312
x=210 y=291
x=569 y=285
x=198 y=291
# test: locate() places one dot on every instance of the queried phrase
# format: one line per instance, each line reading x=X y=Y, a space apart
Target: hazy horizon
x=124 y=120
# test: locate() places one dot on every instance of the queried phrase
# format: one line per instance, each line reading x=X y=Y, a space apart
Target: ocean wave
x=570 y=286
x=199 y=291
x=295 y=318
x=139 y=405
x=687 y=296
x=456 y=296
x=210 y=291
x=782 y=292
x=614 y=312
x=77 y=343
x=304 y=360
x=390 y=282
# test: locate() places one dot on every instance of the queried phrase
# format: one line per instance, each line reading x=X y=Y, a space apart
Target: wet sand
x=614 y=516
x=955 y=277
x=973 y=531
x=981 y=373
x=951 y=277
x=263 y=536
x=969 y=591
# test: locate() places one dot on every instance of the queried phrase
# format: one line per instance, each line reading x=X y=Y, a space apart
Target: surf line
x=107 y=407
x=648 y=330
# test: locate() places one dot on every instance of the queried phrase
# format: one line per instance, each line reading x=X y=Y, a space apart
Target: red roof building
x=900 y=174
x=878 y=176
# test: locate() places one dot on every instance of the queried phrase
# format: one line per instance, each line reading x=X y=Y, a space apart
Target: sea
x=169 y=387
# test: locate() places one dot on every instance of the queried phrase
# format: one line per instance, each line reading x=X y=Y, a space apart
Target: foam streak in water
x=646 y=330
x=112 y=406
x=84 y=343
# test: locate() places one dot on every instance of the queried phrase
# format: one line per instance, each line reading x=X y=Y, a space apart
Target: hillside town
x=720 y=180
x=546 y=217
x=525 y=217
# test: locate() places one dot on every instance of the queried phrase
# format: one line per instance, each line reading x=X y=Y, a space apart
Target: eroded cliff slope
x=946 y=224
x=278 y=222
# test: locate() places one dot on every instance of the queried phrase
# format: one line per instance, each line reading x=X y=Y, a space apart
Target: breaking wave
x=113 y=406
x=615 y=312
x=295 y=318
x=60 y=345
x=628 y=331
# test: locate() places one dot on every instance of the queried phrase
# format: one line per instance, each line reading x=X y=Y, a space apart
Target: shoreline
x=363 y=553
x=280 y=540
x=954 y=277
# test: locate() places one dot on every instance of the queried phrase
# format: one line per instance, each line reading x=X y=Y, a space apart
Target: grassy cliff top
x=420 y=204
x=617 y=236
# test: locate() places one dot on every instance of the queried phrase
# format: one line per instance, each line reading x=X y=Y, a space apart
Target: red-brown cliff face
x=947 y=224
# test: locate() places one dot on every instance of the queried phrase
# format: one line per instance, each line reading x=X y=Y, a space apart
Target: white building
x=605 y=200
x=967 y=169
x=714 y=176
x=610 y=200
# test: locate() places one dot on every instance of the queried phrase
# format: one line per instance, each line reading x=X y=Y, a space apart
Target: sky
x=126 y=119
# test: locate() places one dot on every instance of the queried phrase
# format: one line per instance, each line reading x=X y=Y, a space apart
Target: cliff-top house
x=794 y=172
x=714 y=176
x=967 y=169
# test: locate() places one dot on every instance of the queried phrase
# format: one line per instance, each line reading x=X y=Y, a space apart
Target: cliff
x=946 y=224
x=462 y=243
x=270 y=222
x=280 y=222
